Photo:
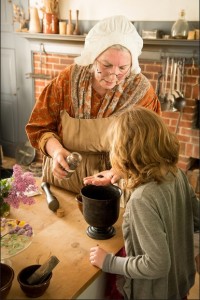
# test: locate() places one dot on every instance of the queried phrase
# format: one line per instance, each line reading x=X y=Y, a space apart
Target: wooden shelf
x=52 y=37
x=158 y=48
x=81 y=38
x=153 y=49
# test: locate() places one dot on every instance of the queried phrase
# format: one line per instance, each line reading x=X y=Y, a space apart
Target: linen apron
x=86 y=136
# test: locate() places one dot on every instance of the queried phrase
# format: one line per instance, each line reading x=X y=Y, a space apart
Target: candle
x=62 y=27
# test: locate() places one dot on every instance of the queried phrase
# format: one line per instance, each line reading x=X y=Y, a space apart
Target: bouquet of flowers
x=14 y=190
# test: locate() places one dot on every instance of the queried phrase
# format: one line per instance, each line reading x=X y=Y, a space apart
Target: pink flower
x=15 y=188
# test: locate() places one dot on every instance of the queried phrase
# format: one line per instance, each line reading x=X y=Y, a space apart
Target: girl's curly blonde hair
x=141 y=146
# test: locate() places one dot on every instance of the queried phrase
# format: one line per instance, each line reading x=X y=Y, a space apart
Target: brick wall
x=187 y=132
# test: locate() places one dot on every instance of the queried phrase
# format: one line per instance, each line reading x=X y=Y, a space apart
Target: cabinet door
x=6 y=15
x=9 y=121
x=17 y=97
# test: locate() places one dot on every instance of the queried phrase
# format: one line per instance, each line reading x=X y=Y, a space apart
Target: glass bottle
x=180 y=28
x=73 y=161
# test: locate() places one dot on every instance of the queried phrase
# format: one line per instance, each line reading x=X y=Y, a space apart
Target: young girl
x=160 y=216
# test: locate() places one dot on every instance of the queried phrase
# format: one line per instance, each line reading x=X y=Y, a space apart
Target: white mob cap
x=108 y=32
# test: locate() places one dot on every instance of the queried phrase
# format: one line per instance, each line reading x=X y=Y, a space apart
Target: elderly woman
x=75 y=109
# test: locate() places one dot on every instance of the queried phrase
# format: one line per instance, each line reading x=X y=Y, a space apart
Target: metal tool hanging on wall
x=40 y=75
x=170 y=91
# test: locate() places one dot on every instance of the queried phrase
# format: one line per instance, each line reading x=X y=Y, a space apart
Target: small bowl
x=7 y=276
x=32 y=290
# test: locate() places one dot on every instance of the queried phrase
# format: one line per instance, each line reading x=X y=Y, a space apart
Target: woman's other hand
x=102 y=178
x=97 y=256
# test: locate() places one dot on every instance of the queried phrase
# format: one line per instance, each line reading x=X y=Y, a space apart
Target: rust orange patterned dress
x=71 y=111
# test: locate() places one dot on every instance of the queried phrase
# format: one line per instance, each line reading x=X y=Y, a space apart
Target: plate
x=16 y=236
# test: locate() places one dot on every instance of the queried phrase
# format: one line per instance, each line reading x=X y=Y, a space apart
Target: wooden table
x=65 y=238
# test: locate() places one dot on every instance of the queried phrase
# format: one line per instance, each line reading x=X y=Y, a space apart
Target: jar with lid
x=73 y=161
x=180 y=28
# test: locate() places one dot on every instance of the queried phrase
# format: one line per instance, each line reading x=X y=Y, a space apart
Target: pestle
x=43 y=271
x=52 y=201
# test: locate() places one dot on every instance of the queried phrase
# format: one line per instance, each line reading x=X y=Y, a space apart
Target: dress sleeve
x=151 y=101
x=44 y=121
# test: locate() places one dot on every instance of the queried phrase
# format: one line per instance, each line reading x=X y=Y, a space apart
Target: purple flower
x=14 y=189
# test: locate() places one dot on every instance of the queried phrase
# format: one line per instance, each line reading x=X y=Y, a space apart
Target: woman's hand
x=60 y=165
x=59 y=155
x=102 y=178
x=97 y=256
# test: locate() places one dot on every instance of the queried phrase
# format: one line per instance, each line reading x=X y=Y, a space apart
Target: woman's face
x=111 y=67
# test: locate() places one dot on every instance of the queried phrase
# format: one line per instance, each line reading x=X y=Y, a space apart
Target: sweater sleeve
x=114 y=264
x=154 y=261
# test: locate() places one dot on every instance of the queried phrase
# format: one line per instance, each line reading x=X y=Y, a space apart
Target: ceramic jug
x=34 y=25
x=50 y=23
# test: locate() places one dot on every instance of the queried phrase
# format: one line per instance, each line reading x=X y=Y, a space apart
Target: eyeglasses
x=104 y=70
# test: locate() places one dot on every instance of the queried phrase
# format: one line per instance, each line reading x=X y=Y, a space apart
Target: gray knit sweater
x=158 y=226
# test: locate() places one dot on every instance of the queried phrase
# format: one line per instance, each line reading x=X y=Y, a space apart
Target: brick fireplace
x=187 y=131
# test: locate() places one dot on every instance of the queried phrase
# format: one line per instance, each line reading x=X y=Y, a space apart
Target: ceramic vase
x=34 y=25
x=50 y=24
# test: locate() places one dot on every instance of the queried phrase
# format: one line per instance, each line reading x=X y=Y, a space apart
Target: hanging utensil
x=40 y=75
x=166 y=75
x=179 y=100
x=173 y=77
x=182 y=72
x=179 y=119
x=178 y=81
x=166 y=104
x=169 y=96
x=160 y=86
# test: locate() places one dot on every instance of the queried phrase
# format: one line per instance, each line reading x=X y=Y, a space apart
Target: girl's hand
x=97 y=256
x=102 y=178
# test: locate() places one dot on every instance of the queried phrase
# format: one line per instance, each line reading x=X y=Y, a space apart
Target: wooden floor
x=195 y=291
